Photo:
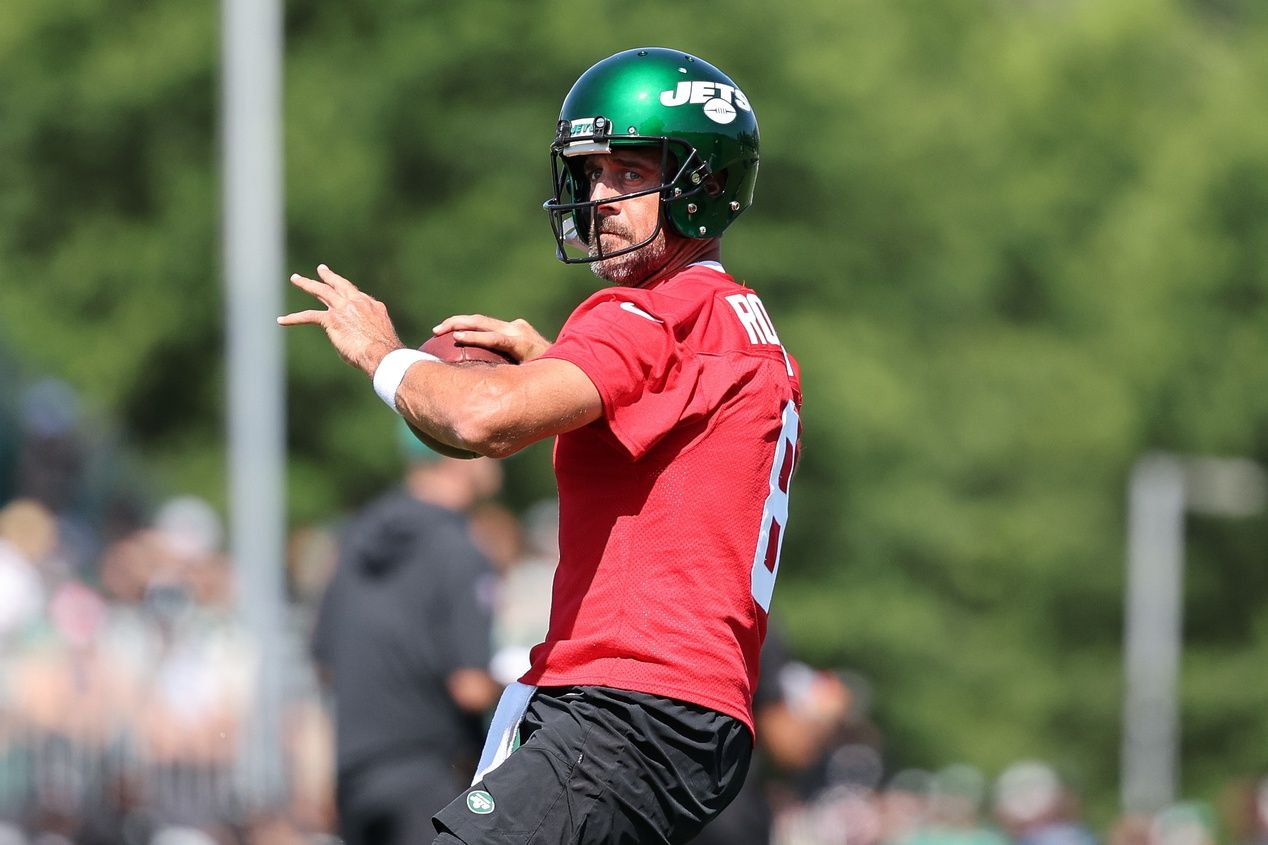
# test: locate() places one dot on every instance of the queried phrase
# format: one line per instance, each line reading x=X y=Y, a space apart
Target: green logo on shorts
x=480 y=802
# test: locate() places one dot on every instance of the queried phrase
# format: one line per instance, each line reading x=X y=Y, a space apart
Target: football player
x=675 y=412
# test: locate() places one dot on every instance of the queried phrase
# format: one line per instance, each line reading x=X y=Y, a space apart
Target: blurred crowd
x=127 y=685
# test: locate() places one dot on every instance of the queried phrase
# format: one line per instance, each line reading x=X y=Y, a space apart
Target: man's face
x=620 y=225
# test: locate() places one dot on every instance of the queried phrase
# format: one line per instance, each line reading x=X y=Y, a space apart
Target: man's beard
x=632 y=268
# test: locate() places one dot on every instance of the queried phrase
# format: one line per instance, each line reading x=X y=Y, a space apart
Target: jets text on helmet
x=700 y=91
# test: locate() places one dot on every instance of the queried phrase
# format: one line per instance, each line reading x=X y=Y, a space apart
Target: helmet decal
x=703 y=91
x=590 y=134
x=719 y=110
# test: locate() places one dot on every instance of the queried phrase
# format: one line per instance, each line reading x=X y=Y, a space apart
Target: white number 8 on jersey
x=775 y=513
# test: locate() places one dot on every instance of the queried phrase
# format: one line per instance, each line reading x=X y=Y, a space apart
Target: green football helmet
x=701 y=121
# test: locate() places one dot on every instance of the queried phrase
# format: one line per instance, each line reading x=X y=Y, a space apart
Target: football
x=444 y=347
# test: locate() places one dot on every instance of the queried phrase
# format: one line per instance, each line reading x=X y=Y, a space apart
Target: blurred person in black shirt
x=403 y=639
x=793 y=729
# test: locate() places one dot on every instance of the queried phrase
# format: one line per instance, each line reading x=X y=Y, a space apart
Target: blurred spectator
x=312 y=554
x=497 y=534
x=905 y=805
x=1244 y=809
x=955 y=811
x=199 y=664
x=74 y=704
x=1035 y=807
x=796 y=710
x=1184 y=823
x=51 y=457
x=311 y=749
x=523 y=608
x=809 y=722
x=26 y=539
x=404 y=633
x=1256 y=832
x=1131 y=829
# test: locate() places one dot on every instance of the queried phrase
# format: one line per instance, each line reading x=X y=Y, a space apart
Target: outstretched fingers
x=331 y=287
x=311 y=317
x=356 y=324
x=322 y=292
x=303 y=318
x=337 y=282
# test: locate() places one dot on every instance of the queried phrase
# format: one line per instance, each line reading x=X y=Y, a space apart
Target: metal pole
x=251 y=51
x=1155 y=574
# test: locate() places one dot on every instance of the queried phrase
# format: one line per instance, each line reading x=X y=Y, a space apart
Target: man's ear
x=715 y=183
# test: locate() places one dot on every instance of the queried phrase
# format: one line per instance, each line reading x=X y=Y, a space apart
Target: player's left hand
x=516 y=338
x=356 y=323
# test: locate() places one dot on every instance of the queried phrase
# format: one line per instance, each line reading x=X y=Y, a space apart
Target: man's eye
x=633 y=176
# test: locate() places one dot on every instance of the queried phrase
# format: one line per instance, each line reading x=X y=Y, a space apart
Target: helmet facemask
x=571 y=211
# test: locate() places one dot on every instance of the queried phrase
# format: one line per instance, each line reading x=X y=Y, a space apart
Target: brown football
x=444 y=347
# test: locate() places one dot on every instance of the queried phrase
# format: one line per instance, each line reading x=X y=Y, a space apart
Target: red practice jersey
x=673 y=506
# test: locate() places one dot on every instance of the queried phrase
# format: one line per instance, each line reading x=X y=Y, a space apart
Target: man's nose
x=602 y=192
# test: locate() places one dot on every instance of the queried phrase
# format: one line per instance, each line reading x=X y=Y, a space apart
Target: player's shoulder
x=681 y=298
x=697 y=281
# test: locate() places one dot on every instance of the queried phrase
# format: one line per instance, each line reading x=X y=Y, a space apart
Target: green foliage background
x=1015 y=245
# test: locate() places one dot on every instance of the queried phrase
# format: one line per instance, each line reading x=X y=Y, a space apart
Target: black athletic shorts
x=602 y=765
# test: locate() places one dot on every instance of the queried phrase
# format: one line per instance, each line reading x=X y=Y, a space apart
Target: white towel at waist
x=504 y=729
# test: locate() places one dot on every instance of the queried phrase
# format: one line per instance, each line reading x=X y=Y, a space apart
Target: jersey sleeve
x=649 y=381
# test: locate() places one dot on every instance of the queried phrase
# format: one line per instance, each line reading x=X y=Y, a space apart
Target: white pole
x=1162 y=488
x=251 y=51
x=1155 y=574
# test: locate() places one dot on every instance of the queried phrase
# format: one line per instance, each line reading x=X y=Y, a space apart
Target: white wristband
x=390 y=372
